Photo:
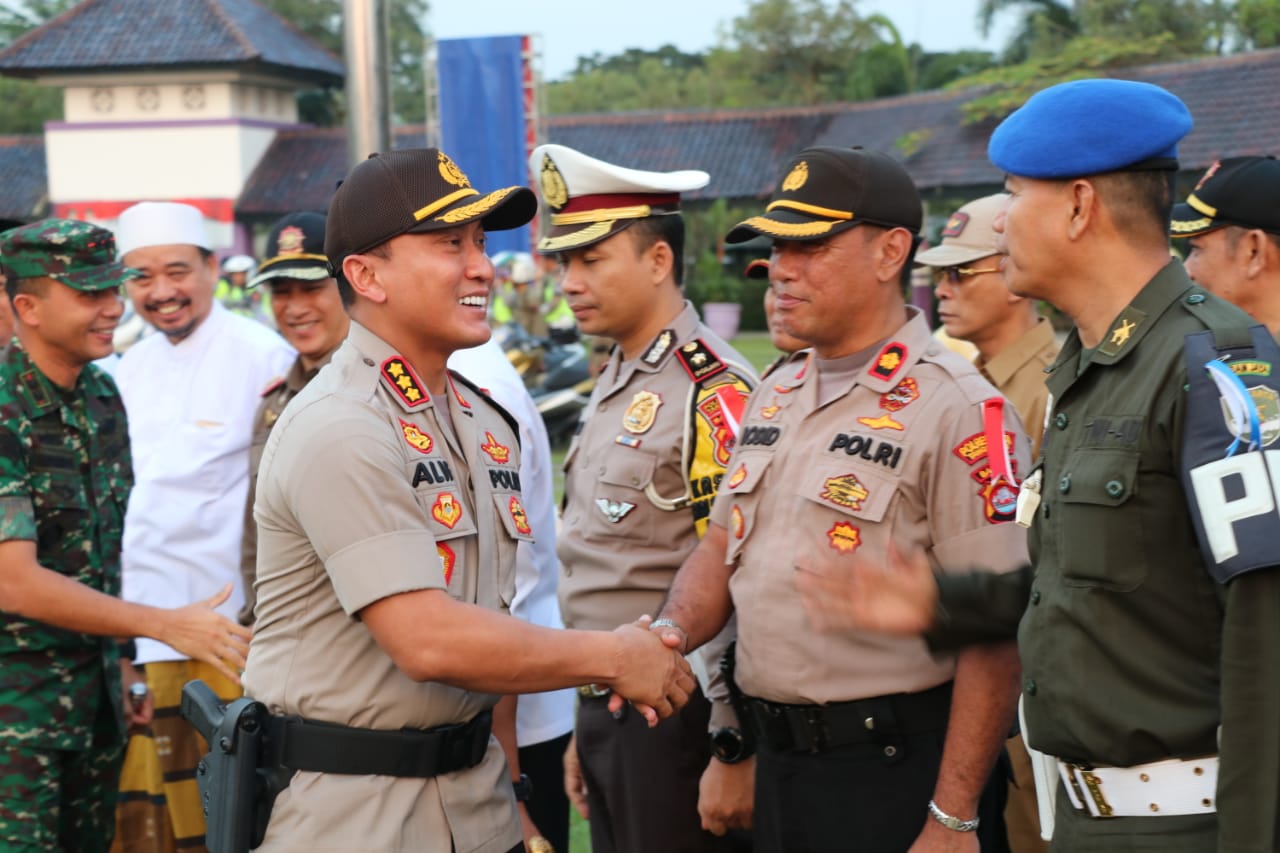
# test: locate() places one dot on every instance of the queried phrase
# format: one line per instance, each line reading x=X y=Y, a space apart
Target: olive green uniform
x=65 y=476
x=1131 y=652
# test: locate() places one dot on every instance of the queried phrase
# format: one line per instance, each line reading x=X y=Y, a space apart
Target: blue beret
x=1087 y=127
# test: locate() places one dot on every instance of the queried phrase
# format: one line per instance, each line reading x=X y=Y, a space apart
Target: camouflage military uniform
x=65 y=476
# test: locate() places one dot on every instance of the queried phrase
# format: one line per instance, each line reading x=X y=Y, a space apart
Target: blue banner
x=482 y=118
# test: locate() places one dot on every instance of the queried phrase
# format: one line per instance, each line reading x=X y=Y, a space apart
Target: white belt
x=1173 y=787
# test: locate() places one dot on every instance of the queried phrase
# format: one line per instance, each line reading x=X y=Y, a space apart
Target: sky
x=568 y=29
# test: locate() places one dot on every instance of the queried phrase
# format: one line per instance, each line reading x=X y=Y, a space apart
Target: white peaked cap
x=160 y=223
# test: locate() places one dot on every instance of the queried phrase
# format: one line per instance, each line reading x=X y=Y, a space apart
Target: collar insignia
x=659 y=347
x=399 y=377
x=642 y=412
x=457 y=395
x=497 y=452
x=446 y=510
x=615 y=511
x=889 y=361
x=518 y=516
x=416 y=438
x=844 y=537
x=1129 y=321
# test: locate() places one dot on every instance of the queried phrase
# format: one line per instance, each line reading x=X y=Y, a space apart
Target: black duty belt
x=300 y=744
x=880 y=720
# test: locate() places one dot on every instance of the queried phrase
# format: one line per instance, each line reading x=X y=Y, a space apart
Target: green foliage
x=711 y=281
x=1080 y=58
x=1258 y=22
x=912 y=141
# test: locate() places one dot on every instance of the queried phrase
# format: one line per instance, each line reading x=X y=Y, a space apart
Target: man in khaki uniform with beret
x=389 y=509
x=640 y=478
x=882 y=438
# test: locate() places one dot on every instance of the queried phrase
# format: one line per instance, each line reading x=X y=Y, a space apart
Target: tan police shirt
x=638 y=490
x=274 y=398
x=371 y=487
x=898 y=454
x=1018 y=371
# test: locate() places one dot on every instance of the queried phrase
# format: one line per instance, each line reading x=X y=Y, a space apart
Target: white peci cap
x=160 y=223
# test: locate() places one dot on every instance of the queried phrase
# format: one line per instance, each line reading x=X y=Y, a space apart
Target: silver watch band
x=950 y=822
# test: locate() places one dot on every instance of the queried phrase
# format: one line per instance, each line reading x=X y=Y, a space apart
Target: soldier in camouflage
x=65 y=476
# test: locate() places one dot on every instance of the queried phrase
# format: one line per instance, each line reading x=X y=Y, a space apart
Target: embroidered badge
x=1122 y=330
x=615 y=511
x=447 y=561
x=1250 y=368
x=499 y=453
x=1120 y=334
x=736 y=519
x=643 y=411
x=659 y=347
x=1268 y=403
x=446 y=510
x=451 y=173
x=796 y=178
x=889 y=361
x=738 y=476
x=956 y=224
x=904 y=394
x=554 y=189
x=290 y=240
x=769 y=411
x=416 y=438
x=844 y=537
x=846 y=491
x=699 y=361
x=400 y=378
x=722 y=410
x=518 y=516
x=1000 y=500
x=974 y=447
x=885 y=421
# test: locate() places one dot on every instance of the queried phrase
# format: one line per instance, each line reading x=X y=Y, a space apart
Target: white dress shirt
x=190 y=408
x=539 y=716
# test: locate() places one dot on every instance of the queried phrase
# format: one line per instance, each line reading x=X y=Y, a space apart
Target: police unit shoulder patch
x=699 y=361
x=399 y=378
x=641 y=414
x=902 y=395
x=448 y=559
x=721 y=410
x=659 y=347
x=846 y=491
x=446 y=510
x=974 y=447
x=499 y=453
x=416 y=438
x=844 y=537
x=889 y=361
x=1267 y=402
x=518 y=516
x=999 y=500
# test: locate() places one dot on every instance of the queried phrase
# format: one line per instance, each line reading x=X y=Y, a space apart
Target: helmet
x=238 y=263
x=523 y=270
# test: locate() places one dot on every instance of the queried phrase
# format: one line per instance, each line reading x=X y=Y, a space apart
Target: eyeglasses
x=954 y=274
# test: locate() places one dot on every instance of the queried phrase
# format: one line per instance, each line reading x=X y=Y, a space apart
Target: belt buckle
x=593 y=691
x=1088 y=789
x=809 y=729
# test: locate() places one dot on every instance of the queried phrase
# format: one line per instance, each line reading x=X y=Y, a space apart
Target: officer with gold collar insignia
x=389 y=511
x=640 y=478
x=880 y=438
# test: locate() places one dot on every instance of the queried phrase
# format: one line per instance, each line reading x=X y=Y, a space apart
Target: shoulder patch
x=400 y=378
x=274 y=386
x=699 y=361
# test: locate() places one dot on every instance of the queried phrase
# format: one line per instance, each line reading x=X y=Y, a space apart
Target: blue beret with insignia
x=1087 y=127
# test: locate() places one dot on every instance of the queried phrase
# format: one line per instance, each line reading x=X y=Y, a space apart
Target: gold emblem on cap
x=451 y=173
x=290 y=240
x=554 y=189
x=796 y=177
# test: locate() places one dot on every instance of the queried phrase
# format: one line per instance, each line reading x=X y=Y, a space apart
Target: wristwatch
x=730 y=745
x=523 y=788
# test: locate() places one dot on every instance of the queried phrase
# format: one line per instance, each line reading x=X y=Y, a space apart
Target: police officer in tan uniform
x=310 y=315
x=389 y=509
x=882 y=437
x=640 y=478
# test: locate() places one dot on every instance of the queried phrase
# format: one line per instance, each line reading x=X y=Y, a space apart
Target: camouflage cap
x=81 y=255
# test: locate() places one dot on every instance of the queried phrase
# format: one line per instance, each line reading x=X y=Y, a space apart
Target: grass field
x=755 y=348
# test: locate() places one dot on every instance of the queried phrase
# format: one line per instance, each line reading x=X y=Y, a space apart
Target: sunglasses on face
x=953 y=275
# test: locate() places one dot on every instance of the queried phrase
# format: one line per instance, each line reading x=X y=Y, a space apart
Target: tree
x=1258 y=22
x=1046 y=26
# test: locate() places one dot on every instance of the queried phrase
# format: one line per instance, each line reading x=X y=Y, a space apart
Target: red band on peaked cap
x=608 y=201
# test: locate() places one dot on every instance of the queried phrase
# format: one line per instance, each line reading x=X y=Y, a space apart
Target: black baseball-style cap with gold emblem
x=295 y=249
x=826 y=190
x=1241 y=191
x=590 y=199
x=412 y=191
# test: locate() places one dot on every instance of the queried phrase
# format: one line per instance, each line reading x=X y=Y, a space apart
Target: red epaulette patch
x=699 y=361
x=276 y=385
x=401 y=379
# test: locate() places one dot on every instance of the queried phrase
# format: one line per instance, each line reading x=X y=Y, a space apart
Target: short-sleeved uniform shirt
x=65 y=476
x=838 y=458
x=371 y=487
x=274 y=398
x=637 y=495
